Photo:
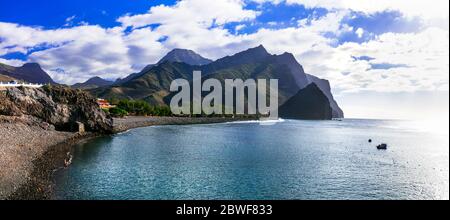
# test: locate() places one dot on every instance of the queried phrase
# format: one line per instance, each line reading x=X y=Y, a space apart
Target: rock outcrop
x=309 y=103
x=324 y=85
x=59 y=106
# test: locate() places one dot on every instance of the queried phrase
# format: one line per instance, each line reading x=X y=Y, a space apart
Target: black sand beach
x=30 y=154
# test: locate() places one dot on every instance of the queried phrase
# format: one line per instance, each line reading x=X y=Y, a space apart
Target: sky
x=384 y=58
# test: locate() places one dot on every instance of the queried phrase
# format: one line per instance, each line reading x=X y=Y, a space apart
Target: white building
x=17 y=84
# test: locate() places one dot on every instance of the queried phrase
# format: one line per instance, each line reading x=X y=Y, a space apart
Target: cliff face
x=324 y=85
x=59 y=106
x=309 y=104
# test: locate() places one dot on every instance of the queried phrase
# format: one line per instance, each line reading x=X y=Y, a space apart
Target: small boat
x=382 y=147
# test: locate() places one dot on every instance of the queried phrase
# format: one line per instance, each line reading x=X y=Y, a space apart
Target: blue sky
x=51 y=14
x=361 y=47
x=54 y=14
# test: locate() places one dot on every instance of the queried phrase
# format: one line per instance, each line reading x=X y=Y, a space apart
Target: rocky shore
x=21 y=144
x=30 y=154
x=38 y=130
x=38 y=126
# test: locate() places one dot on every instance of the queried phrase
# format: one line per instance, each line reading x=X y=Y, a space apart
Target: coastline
x=124 y=124
x=39 y=185
x=33 y=178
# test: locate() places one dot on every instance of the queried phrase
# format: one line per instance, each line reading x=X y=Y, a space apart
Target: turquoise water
x=288 y=160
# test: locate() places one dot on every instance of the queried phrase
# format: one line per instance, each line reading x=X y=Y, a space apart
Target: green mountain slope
x=153 y=83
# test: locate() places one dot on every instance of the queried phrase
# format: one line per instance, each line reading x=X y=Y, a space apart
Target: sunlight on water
x=432 y=126
x=243 y=160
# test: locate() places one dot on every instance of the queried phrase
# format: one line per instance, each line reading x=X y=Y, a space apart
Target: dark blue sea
x=250 y=160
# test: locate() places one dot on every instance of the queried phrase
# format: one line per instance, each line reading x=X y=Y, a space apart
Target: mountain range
x=175 y=55
x=152 y=84
x=29 y=72
x=93 y=83
x=297 y=89
x=185 y=56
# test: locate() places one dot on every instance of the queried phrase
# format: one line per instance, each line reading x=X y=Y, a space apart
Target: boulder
x=57 y=105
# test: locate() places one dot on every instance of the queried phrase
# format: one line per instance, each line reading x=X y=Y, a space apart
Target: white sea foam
x=268 y=121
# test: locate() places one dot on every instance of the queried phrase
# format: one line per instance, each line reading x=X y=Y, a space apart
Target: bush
x=118 y=112
x=142 y=108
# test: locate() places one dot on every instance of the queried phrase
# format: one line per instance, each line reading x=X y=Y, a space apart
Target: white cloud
x=422 y=8
x=12 y=62
x=359 y=32
x=239 y=27
x=69 y=21
x=275 y=2
x=80 y=52
x=203 y=13
x=423 y=57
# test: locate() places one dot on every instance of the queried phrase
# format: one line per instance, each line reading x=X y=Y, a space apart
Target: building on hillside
x=104 y=104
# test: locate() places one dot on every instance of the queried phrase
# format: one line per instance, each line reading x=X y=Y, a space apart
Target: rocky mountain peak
x=185 y=56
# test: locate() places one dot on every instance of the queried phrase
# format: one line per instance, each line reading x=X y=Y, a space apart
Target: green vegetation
x=118 y=112
x=125 y=107
x=137 y=107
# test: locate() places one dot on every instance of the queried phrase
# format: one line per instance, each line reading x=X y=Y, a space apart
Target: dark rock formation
x=309 y=104
x=59 y=106
x=324 y=85
x=295 y=68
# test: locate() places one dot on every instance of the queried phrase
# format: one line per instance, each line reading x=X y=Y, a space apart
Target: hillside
x=152 y=86
x=29 y=72
x=92 y=83
x=153 y=83
x=4 y=78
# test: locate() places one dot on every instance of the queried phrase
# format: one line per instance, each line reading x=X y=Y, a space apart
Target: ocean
x=290 y=159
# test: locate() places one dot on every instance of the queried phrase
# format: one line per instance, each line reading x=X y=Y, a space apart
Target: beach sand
x=20 y=145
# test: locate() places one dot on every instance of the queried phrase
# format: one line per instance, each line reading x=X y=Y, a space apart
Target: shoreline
x=131 y=122
x=39 y=183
